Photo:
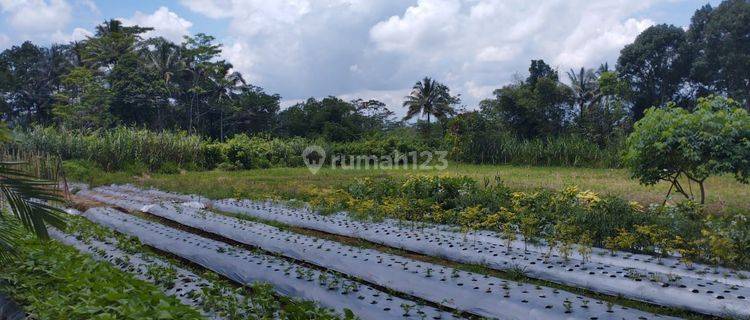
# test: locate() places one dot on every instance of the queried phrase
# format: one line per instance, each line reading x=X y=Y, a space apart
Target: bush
x=472 y=140
x=674 y=145
x=562 y=217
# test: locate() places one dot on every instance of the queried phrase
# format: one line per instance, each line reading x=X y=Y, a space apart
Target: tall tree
x=654 y=66
x=531 y=108
x=164 y=58
x=27 y=84
x=111 y=42
x=83 y=102
x=540 y=69
x=430 y=98
x=720 y=41
x=585 y=88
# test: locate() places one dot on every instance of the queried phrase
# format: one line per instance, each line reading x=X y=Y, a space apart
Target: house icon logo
x=314 y=157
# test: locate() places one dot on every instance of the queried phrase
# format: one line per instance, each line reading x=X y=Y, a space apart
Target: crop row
x=249 y=267
x=474 y=293
x=667 y=289
x=665 y=282
x=214 y=300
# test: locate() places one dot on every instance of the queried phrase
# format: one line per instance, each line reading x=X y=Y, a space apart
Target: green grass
x=724 y=193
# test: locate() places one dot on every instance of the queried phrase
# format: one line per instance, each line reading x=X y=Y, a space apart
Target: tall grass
x=501 y=148
x=116 y=148
x=126 y=149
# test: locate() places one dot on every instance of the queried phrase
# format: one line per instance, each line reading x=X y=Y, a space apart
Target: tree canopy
x=675 y=145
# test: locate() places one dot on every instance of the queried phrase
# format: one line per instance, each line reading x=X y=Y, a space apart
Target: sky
x=369 y=49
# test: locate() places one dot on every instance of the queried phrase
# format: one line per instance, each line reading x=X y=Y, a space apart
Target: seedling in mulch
x=568 y=306
x=323 y=278
x=406 y=307
x=428 y=273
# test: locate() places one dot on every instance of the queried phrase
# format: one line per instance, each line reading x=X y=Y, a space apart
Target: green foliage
x=84 y=101
x=673 y=143
x=23 y=200
x=430 y=98
x=257 y=152
x=654 y=67
x=536 y=107
x=717 y=39
x=53 y=281
x=118 y=148
x=333 y=119
x=473 y=139
x=562 y=217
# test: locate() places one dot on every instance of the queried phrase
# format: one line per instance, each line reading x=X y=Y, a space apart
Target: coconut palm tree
x=24 y=205
x=585 y=88
x=224 y=89
x=430 y=98
x=165 y=58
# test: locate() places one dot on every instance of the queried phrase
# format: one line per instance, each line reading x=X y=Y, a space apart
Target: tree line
x=118 y=77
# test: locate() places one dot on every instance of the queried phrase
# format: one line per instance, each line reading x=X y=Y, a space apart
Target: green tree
x=111 y=42
x=585 y=88
x=606 y=118
x=84 y=101
x=654 y=66
x=253 y=111
x=163 y=58
x=28 y=79
x=430 y=98
x=720 y=45
x=675 y=145
x=535 y=107
x=331 y=118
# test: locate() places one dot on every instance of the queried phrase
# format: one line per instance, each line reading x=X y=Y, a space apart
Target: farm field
x=725 y=193
x=425 y=281
x=374 y=160
x=248 y=224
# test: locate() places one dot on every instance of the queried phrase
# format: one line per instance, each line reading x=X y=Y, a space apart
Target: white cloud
x=475 y=45
x=91 y=5
x=495 y=54
x=303 y=48
x=250 y=17
x=429 y=23
x=166 y=24
x=37 y=16
x=589 y=42
x=241 y=59
x=78 y=34
x=479 y=92
x=4 y=41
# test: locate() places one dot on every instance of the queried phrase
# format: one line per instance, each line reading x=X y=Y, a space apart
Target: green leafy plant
x=678 y=146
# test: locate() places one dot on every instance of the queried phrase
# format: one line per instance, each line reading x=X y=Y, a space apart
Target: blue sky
x=369 y=48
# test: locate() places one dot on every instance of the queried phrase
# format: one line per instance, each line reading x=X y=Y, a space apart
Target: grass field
x=724 y=193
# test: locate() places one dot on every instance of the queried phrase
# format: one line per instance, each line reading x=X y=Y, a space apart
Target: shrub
x=673 y=144
x=561 y=217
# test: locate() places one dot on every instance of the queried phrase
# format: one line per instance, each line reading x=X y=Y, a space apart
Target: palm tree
x=165 y=58
x=112 y=41
x=224 y=88
x=430 y=98
x=585 y=88
x=26 y=198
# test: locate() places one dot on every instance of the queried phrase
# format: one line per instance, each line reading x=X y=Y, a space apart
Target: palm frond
x=9 y=233
x=27 y=198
